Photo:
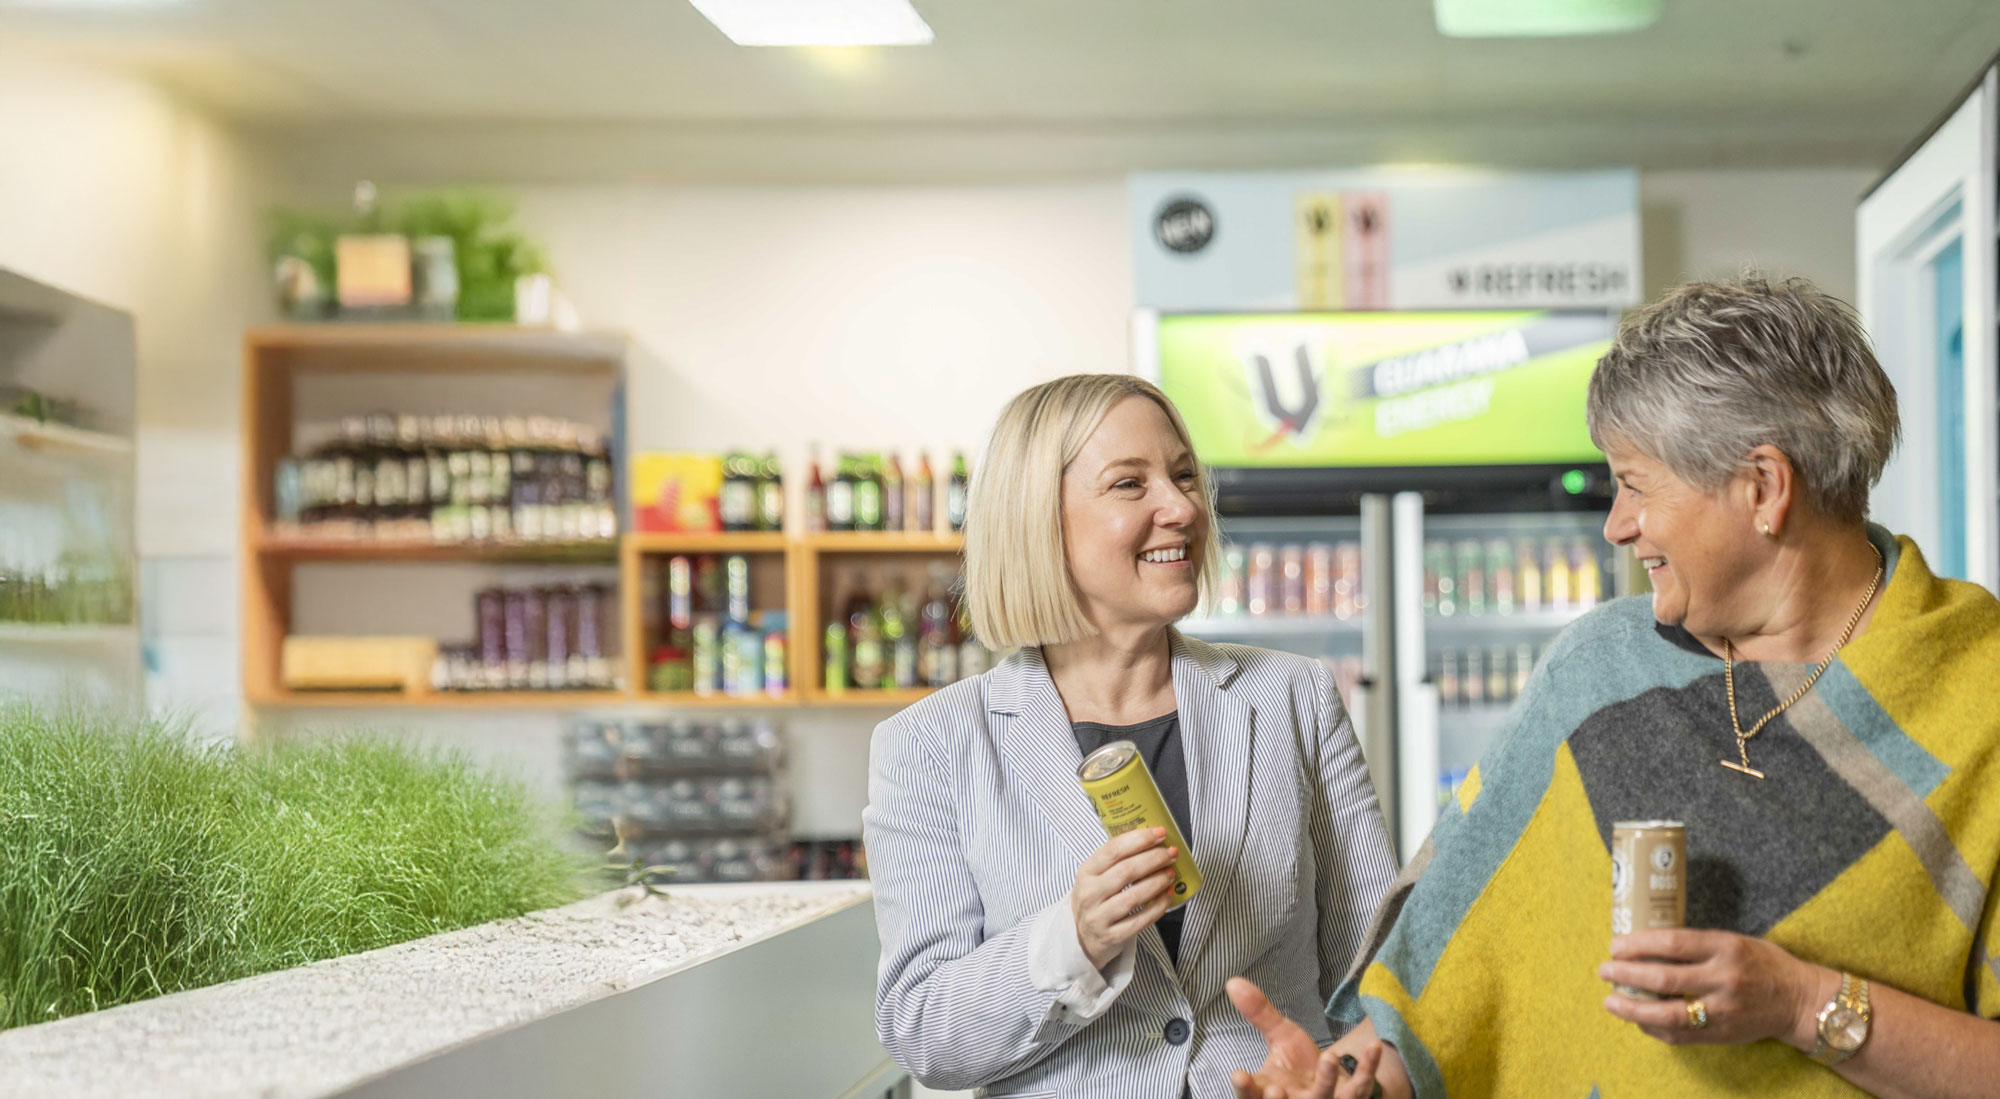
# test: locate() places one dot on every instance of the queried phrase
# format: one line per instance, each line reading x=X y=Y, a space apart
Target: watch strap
x=1853 y=996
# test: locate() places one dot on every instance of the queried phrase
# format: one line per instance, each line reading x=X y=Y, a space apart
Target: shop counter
x=751 y=990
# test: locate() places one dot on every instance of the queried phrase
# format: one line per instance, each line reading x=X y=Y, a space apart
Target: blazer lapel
x=1216 y=730
x=1041 y=750
x=1042 y=758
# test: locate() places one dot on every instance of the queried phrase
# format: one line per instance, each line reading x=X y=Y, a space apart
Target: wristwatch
x=1843 y=1022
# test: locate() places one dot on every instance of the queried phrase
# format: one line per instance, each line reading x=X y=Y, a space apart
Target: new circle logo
x=1184 y=225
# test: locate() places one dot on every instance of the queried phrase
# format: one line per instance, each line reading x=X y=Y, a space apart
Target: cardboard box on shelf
x=676 y=492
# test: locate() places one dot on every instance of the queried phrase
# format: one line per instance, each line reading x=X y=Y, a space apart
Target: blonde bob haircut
x=1017 y=582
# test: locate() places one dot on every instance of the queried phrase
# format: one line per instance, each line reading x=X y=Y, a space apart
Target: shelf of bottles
x=892 y=629
x=1284 y=590
x=710 y=625
x=446 y=487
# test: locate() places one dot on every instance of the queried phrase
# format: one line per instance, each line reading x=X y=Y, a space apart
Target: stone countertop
x=321 y=1028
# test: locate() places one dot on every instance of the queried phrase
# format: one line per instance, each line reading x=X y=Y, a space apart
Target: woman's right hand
x=1121 y=890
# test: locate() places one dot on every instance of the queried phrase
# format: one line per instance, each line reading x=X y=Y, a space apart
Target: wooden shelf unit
x=278 y=360
x=438 y=700
x=318 y=547
x=805 y=557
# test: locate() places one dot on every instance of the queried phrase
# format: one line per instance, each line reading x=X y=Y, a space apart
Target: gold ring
x=1697 y=1014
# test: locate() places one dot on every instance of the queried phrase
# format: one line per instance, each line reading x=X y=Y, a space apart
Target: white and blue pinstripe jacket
x=975 y=824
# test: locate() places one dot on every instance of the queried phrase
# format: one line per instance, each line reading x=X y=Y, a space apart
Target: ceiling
x=649 y=88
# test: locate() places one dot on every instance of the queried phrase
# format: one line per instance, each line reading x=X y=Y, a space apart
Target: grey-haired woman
x=1819 y=709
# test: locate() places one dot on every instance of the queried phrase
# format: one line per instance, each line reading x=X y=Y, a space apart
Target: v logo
x=1290 y=420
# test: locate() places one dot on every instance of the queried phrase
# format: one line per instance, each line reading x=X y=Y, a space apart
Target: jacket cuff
x=1057 y=963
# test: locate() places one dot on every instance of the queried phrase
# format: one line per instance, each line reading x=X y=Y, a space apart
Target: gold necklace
x=1729 y=677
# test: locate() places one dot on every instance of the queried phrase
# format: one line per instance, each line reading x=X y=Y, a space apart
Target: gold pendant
x=1751 y=771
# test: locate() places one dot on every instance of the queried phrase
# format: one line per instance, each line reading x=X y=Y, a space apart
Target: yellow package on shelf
x=357 y=663
x=676 y=492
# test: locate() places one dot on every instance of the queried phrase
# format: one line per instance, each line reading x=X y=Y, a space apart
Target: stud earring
x=1767 y=530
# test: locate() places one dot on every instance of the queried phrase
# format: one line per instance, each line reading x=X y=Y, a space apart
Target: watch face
x=1845 y=1029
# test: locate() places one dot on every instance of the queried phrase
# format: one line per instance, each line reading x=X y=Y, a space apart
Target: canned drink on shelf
x=1472 y=686
x=1500 y=576
x=1471 y=575
x=1121 y=788
x=1583 y=573
x=1447 y=678
x=680 y=592
x=1260 y=580
x=1348 y=600
x=1556 y=580
x=707 y=657
x=834 y=644
x=690 y=743
x=1292 y=570
x=1648 y=881
x=1319 y=579
x=1524 y=666
x=538 y=639
x=1528 y=592
x=1440 y=590
x=777 y=678
x=561 y=630
x=737 y=570
x=1497 y=683
x=749 y=662
x=592 y=748
x=516 y=602
x=492 y=604
x=1230 y=599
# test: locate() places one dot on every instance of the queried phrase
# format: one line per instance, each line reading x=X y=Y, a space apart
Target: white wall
x=1712 y=224
x=860 y=318
x=112 y=190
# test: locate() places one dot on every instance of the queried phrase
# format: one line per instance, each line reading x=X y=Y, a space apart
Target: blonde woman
x=1022 y=953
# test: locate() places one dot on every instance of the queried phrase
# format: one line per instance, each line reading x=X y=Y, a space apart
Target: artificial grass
x=135 y=862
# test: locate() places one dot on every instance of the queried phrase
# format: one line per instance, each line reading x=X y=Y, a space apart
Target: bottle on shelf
x=770 y=494
x=923 y=498
x=815 y=493
x=738 y=499
x=958 y=495
x=867 y=492
x=840 y=496
x=869 y=662
x=894 y=494
x=937 y=653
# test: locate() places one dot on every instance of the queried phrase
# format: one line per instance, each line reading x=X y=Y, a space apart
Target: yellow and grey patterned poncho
x=1871 y=847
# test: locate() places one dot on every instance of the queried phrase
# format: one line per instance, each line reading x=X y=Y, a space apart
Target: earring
x=1767 y=530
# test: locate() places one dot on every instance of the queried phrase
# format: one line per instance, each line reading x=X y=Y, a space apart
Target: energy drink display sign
x=1384 y=238
x=1384 y=389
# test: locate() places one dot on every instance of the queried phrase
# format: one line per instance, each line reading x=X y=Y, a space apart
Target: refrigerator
x=1411 y=498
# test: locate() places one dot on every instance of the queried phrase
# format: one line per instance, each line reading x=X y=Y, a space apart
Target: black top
x=1159 y=743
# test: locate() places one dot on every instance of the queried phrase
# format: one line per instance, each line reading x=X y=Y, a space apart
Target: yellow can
x=1126 y=797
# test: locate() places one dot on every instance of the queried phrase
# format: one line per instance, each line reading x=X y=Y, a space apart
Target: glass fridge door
x=1479 y=598
x=1303 y=585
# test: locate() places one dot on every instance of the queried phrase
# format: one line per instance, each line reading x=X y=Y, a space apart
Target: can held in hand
x=1648 y=881
x=1122 y=789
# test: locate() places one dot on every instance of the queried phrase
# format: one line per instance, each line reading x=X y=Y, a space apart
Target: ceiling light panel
x=817 y=22
x=1542 y=18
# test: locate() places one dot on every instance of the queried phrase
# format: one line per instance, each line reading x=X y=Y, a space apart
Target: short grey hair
x=1712 y=370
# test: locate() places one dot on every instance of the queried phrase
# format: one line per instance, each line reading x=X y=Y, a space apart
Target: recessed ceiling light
x=817 y=22
x=1542 y=18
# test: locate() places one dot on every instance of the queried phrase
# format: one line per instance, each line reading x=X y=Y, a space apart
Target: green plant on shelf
x=140 y=861
x=490 y=255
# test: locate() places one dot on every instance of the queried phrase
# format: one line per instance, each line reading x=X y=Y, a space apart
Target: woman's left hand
x=1750 y=989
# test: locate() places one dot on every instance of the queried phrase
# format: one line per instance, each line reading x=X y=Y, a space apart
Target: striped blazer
x=976 y=824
